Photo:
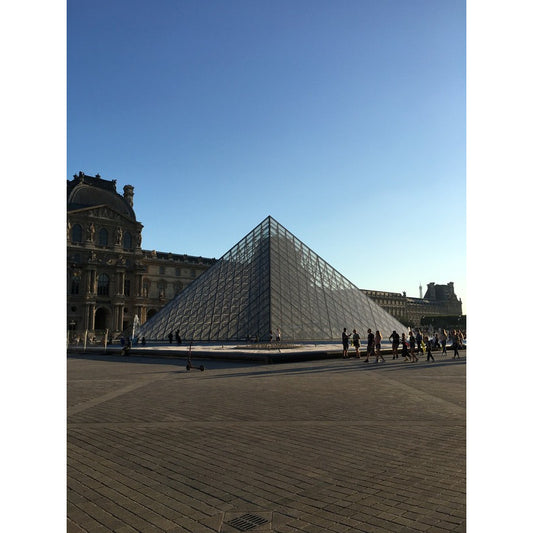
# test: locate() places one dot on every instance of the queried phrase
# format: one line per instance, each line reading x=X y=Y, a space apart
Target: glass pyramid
x=269 y=280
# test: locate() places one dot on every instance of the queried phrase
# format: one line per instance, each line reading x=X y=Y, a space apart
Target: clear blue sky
x=344 y=120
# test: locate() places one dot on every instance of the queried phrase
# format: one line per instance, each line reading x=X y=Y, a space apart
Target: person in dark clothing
x=436 y=343
x=455 y=344
x=405 y=349
x=395 y=344
x=345 y=343
x=418 y=339
x=127 y=347
x=428 y=348
x=444 y=339
x=377 y=346
x=178 y=337
x=170 y=337
x=356 y=339
x=369 y=345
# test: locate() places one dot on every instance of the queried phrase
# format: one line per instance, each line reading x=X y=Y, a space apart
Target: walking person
x=455 y=344
x=356 y=339
x=428 y=348
x=369 y=345
x=395 y=343
x=436 y=341
x=443 y=339
x=170 y=337
x=461 y=338
x=412 y=343
x=405 y=349
x=418 y=339
x=278 y=336
x=377 y=342
x=345 y=343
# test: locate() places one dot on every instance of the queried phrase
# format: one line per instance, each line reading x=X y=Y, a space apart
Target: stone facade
x=438 y=300
x=110 y=278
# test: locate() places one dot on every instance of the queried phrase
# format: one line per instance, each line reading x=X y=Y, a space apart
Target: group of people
x=278 y=335
x=412 y=345
x=171 y=337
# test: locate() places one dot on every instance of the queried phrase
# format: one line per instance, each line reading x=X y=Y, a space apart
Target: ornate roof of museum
x=87 y=191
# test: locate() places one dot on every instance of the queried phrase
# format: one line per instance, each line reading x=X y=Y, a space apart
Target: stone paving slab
x=332 y=445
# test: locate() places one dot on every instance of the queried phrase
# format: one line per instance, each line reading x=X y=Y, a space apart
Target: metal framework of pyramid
x=269 y=280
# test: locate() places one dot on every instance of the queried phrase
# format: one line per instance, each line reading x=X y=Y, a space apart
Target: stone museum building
x=439 y=300
x=111 y=279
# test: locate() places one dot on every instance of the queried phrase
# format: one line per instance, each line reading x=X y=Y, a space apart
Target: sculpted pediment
x=104 y=212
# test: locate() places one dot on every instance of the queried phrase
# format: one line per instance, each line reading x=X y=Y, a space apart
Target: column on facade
x=89 y=283
x=90 y=312
x=118 y=317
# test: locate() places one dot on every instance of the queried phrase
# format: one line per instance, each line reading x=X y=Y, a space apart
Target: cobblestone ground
x=322 y=446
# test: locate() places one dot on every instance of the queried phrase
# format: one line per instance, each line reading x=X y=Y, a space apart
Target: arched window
x=75 y=285
x=127 y=241
x=103 y=285
x=103 y=237
x=76 y=233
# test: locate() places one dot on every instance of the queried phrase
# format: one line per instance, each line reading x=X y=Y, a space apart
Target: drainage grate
x=247 y=522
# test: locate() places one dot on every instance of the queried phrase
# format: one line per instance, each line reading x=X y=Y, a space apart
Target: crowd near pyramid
x=269 y=281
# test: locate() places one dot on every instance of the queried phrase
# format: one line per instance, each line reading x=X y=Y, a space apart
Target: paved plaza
x=331 y=445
